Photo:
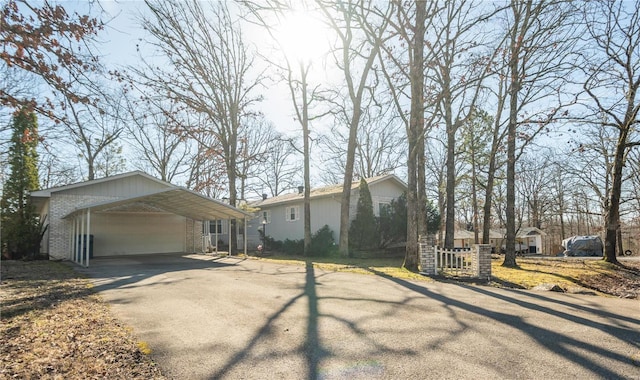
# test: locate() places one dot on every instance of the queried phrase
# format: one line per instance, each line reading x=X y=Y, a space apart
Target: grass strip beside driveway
x=572 y=275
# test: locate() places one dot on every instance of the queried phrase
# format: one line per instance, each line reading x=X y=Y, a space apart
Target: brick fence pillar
x=484 y=261
x=427 y=255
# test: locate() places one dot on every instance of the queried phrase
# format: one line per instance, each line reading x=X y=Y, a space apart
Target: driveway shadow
x=563 y=345
x=129 y=271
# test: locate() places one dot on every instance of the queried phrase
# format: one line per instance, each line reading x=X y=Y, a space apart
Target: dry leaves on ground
x=620 y=281
x=54 y=327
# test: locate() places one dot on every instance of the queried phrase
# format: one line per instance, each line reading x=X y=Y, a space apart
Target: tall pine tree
x=20 y=228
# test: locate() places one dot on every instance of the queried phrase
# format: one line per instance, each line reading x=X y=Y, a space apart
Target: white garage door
x=134 y=234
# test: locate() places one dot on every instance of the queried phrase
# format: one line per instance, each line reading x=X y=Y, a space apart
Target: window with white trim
x=292 y=213
x=383 y=206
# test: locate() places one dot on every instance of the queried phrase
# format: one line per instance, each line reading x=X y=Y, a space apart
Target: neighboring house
x=466 y=239
x=283 y=216
x=528 y=237
x=131 y=213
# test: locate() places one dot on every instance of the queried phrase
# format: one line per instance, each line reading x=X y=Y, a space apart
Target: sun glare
x=303 y=37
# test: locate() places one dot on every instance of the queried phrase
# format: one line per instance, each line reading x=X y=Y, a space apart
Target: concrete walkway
x=229 y=318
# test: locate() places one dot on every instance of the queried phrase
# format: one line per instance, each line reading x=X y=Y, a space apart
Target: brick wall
x=484 y=261
x=427 y=249
x=481 y=262
x=193 y=235
x=60 y=229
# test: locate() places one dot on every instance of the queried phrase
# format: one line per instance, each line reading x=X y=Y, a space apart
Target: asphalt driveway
x=229 y=318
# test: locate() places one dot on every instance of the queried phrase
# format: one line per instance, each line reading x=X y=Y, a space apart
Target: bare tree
x=55 y=169
x=475 y=154
x=295 y=72
x=254 y=148
x=360 y=28
x=207 y=71
x=590 y=165
x=111 y=161
x=93 y=130
x=158 y=140
x=436 y=173
x=541 y=37
x=279 y=171
x=380 y=147
x=612 y=72
x=532 y=186
x=403 y=66
x=458 y=69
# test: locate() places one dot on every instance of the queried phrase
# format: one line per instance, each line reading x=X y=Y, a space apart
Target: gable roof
x=45 y=193
x=326 y=191
x=467 y=235
x=171 y=198
x=175 y=200
x=522 y=232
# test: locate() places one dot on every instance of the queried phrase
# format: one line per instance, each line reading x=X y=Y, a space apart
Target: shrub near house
x=323 y=243
x=363 y=230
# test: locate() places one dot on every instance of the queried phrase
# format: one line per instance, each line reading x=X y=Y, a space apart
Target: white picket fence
x=457 y=262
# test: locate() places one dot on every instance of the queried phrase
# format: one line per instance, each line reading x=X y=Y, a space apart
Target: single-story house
x=530 y=237
x=125 y=214
x=283 y=216
x=466 y=239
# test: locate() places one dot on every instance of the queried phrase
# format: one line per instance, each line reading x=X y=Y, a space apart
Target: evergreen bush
x=363 y=232
x=22 y=230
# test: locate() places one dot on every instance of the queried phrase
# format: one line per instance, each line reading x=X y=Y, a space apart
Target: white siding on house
x=120 y=188
x=131 y=233
x=387 y=189
x=324 y=210
x=280 y=228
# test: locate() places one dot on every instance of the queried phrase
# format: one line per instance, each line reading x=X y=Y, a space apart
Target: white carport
x=176 y=201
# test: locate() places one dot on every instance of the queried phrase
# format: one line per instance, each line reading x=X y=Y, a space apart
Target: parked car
x=582 y=246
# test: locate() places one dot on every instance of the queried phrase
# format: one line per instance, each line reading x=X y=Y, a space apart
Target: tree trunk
x=231 y=176
x=513 y=91
x=510 y=244
x=451 y=188
x=474 y=199
x=306 y=154
x=415 y=135
x=612 y=218
x=486 y=217
x=421 y=183
x=348 y=180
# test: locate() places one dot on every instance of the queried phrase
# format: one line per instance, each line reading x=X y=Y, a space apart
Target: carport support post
x=229 y=237
x=81 y=238
x=245 y=235
x=88 y=236
x=73 y=245
x=76 y=242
